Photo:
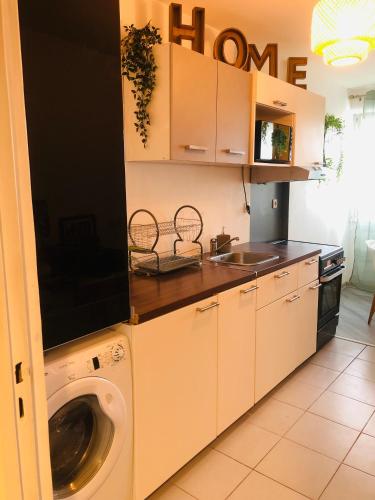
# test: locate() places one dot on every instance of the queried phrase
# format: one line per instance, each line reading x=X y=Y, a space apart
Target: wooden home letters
x=246 y=53
x=179 y=31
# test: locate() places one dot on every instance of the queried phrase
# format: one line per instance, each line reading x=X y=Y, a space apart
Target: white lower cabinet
x=274 y=358
x=236 y=353
x=198 y=369
x=175 y=391
x=285 y=337
x=307 y=322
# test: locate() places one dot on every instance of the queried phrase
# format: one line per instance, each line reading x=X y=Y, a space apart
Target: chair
x=371 y=248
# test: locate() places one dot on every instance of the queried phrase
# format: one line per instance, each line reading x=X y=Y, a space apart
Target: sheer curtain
x=359 y=181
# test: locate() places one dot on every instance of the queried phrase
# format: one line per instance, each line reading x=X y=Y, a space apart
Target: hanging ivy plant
x=138 y=66
x=336 y=126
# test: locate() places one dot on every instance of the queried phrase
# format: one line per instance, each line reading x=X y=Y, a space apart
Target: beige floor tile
x=246 y=443
x=211 y=476
x=170 y=492
x=363 y=369
x=342 y=409
x=362 y=455
x=301 y=469
x=370 y=427
x=355 y=387
x=332 y=439
x=315 y=375
x=368 y=354
x=258 y=487
x=350 y=484
x=331 y=359
x=274 y=416
x=344 y=347
x=297 y=393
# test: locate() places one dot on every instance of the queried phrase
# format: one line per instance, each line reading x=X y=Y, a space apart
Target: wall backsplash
x=216 y=191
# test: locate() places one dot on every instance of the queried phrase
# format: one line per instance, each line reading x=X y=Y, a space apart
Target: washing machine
x=89 y=391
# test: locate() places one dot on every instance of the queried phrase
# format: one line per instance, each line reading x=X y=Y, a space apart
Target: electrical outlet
x=275 y=203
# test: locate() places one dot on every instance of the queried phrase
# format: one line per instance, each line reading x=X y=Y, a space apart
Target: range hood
x=267 y=173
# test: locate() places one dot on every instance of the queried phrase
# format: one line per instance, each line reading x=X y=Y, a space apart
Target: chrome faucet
x=214 y=249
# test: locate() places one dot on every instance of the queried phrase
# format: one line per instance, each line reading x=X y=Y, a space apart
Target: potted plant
x=335 y=125
x=139 y=67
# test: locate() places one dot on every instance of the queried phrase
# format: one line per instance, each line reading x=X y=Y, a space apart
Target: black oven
x=331 y=269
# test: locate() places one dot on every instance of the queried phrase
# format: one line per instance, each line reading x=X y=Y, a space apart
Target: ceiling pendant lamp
x=343 y=31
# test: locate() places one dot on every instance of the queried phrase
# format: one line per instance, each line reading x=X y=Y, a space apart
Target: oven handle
x=332 y=276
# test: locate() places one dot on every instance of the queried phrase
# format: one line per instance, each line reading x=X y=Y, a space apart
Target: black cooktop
x=326 y=250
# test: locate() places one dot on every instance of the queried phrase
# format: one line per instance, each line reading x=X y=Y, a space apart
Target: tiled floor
x=312 y=437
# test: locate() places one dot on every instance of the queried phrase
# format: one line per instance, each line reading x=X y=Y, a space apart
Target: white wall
x=216 y=191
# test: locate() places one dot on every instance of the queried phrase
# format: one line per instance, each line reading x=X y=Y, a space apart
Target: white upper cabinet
x=309 y=129
x=193 y=105
x=196 y=114
x=233 y=115
x=273 y=92
x=275 y=100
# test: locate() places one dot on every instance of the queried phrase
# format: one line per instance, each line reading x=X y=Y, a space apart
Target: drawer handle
x=282 y=275
x=206 y=308
x=280 y=103
x=293 y=299
x=248 y=290
x=193 y=147
x=235 y=152
x=311 y=262
x=315 y=287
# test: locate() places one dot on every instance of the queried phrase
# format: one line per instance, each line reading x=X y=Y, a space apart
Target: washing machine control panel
x=91 y=362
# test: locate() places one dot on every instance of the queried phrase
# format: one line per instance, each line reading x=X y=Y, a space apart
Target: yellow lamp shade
x=343 y=31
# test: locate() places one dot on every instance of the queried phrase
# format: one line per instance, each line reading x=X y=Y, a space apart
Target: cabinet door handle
x=282 y=275
x=315 y=287
x=318 y=164
x=311 y=262
x=248 y=290
x=206 y=308
x=294 y=298
x=235 y=152
x=280 y=103
x=194 y=147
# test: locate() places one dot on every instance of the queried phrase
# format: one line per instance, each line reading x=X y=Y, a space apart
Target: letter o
x=241 y=45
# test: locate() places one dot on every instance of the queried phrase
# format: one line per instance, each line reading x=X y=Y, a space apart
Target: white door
x=88 y=425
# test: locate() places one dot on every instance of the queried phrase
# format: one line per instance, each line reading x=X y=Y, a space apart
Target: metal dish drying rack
x=143 y=239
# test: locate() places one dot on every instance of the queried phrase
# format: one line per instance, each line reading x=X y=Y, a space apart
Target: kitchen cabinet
x=275 y=100
x=273 y=92
x=308 y=270
x=305 y=331
x=233 y=114
x=175 y=391
x=236 y=353
x=193 y=105
x=275 y=336
x=285 y=335
x=274 y=285
x=309 y=129
x=200 y=111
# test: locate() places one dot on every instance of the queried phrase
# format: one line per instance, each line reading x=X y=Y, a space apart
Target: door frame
x=24 y=450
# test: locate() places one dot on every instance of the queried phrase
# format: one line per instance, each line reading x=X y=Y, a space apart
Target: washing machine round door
x=88 y=419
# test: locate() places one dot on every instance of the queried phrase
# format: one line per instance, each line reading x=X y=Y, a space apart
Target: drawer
x=308 y=271
x=275 y=285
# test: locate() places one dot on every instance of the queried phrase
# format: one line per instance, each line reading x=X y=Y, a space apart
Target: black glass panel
x=72 y=79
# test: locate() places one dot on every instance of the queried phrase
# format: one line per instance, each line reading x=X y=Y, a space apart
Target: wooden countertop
x=153 y=296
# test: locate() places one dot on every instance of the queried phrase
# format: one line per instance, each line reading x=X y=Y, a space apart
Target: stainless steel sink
x=244 y=258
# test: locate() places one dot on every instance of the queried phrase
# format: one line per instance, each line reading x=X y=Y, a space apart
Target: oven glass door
x=329 y=300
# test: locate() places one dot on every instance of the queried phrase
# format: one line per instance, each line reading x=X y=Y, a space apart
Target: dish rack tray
x=143 y=239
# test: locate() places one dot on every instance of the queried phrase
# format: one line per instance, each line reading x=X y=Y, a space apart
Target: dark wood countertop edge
x=247 y=276
x=205 y=294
